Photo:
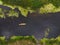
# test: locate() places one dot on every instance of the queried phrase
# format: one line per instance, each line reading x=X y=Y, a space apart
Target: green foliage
x=24 y=12
x=32 y=38
x=29 y=40
x=16 y=40
x=45 y=6
x=13 y=13
x=2 y=38
x=52 y=41
x=55 y=2
x=1 y=3
x=24 y=38
x=1 y=13
x=31 y=3
x=49 y=8
x=58 y=38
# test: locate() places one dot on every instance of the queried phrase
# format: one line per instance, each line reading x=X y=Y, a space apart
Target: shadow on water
x=36 y=24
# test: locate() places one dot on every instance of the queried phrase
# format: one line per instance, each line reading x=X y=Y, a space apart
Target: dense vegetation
x=42 y=6
x=52 y=41
x=18 y=40
x=31 y=3
x=29 y=40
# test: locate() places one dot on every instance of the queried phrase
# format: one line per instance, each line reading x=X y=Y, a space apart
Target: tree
x=34 y=4
x=37 y=5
